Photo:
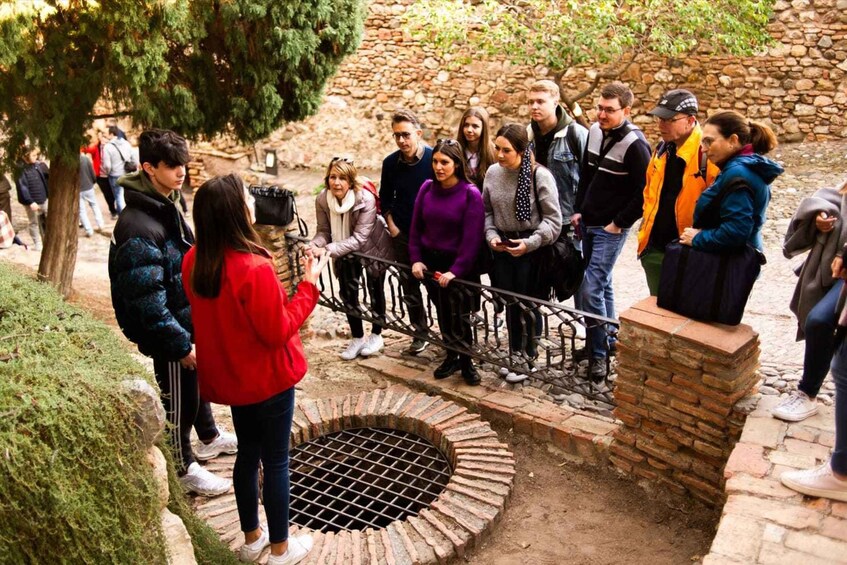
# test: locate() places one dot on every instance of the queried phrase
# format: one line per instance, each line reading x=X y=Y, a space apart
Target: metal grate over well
x=365 y=477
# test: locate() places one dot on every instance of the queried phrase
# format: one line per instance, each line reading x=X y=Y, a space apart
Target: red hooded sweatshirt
x=248 y=345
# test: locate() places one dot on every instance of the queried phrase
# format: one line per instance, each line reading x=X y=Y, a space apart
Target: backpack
x=369 y=185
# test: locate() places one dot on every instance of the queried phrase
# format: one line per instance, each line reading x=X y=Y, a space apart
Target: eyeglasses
x=669 y=120
x=402 y=135
x=447 y=142
x=607 y=110
x=342 y=159
x=707 y=142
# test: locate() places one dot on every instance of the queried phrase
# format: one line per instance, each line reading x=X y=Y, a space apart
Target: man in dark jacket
x=32 y=194
x=145 y=269
x=608 y=202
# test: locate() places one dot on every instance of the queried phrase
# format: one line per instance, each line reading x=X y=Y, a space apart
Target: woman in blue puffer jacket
x=736 y=145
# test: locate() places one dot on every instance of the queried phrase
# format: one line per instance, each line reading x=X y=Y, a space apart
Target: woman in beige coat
x=348 y=222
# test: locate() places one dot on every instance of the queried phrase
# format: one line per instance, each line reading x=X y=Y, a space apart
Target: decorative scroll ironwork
x=558 y=325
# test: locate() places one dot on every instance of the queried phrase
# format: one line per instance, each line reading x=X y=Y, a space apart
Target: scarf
x=523 y=210
x=339 y=219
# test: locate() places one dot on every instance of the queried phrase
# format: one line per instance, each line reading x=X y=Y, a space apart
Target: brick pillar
x=678 y=383
x=273 y=238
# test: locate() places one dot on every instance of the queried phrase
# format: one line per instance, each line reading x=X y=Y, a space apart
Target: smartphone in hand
x=510 y=243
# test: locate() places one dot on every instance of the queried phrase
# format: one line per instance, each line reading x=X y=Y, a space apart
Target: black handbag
x=711 y=287
x=274 y=206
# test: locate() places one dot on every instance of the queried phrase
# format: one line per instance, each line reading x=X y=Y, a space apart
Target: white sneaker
x=250 y=552
x=298 y=548
x=515 y=378
x=353 y=350
x=201 y=481
x=796 y=408
x=224 y=443
x=816 y=482
x=373 y=345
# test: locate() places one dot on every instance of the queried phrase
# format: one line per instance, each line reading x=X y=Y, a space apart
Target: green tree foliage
x=605 y=35
x=199 y=67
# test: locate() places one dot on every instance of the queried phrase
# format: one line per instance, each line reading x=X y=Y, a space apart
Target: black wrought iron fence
x=556 y=325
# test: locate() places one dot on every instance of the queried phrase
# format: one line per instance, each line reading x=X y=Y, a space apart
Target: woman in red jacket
x=249 y=355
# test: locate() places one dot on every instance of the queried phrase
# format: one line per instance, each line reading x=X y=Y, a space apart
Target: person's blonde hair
x=547 y=86
x=345 y=169
x=843 y=189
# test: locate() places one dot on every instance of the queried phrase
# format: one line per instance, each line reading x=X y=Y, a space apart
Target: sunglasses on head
x=341 y=159
x=447 y=142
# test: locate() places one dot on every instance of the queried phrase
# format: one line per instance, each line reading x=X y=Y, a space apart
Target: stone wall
x=678 y=391
x=799 y=86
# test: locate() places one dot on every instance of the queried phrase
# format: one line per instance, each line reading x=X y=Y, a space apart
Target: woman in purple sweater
x=445 y=238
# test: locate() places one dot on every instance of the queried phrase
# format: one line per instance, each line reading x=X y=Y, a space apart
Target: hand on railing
x=313 y=267
x=418 y=270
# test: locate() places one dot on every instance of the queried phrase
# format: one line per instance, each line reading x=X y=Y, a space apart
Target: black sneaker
x=580 y=354
x=417 y=346
x=470 y=374
x=449 y=366
x=598 y=370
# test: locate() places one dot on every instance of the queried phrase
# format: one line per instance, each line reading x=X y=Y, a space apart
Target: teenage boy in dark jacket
x=145 y=269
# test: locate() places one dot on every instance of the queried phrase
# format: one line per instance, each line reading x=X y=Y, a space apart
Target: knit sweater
x=399 y=186
x=448 y=220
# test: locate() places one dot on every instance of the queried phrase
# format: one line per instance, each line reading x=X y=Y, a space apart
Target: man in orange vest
x=676 y=176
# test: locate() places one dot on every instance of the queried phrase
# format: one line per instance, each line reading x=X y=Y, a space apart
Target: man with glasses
x=608 y=202
x=676 y=176
x=403 y=173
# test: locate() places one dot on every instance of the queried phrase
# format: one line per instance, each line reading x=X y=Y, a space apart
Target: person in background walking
x=86 y=196
x=445 y=238
x=521 y=215
x=117 y=159
x=95 y=151
x=474 y=137
x=347 y=222
x=403 y=173
x=32 y=194
x=818 y=227
x=249 y=356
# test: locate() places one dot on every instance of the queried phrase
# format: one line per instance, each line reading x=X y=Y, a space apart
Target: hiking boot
x=201 y=481
x=816 y=482
x=298 y=548
x=449 y=366
x=580 y=354
x=373 y=345
x=354 y=349
x=796 y=408
x=250 y=552
x=224 y=443
x=417 y=346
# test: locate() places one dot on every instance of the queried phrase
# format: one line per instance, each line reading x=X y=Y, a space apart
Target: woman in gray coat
x=818 y=227
x=348 y=222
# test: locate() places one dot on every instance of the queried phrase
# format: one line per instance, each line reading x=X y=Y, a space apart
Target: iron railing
x=559 y=335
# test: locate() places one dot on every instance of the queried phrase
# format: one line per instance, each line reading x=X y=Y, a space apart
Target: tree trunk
x=60 y=243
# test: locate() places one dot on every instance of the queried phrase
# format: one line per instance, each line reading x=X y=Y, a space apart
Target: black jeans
x=106 y=189
x=410 y=285
x=263 y=430
x=184 y=408
x=349 y=271
x=453 y=304
x=520 y=275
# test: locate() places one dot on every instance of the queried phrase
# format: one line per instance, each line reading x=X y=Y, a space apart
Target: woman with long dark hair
x=249 y=356
x=521 y=215
x=445 y=238
x=731 y=212
x=348 y=222
x=475 y=139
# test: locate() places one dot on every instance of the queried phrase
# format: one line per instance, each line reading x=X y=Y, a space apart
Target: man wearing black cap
x=676 y=176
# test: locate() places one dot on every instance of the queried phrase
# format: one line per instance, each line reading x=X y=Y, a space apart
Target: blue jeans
x=263 y=430
x=839 y=371
x=118 y=192
x=820 y=341
x=600 y=249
